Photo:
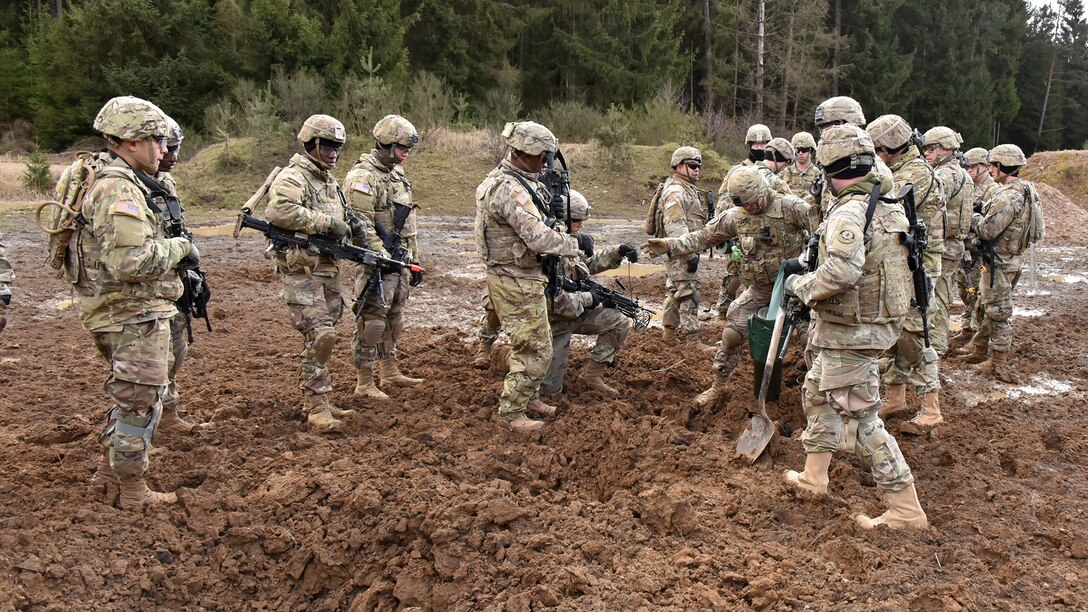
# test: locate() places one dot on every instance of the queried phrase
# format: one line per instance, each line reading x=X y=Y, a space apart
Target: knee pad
x=324 y=341
x=373 y=330
x=866 y=436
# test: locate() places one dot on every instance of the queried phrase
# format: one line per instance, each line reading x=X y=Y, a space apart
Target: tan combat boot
x=591 y=377
x=927 y=419
x=972 y=353
x=904 y=511
x=391 y=375
x=104 y=474
x=319 y=417
x=668 y=336
x=523 y=425
x=365 y=387
x=483 y=355
x=715 y=394
x=134 y=494
x=172 y=421
x=538 y=406
x=813 y=481
x=895 y=403
x=998 y=367
x=963 y=336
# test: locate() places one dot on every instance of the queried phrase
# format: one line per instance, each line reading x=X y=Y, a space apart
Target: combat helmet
x=682 y=154
x=889 y=132
x=976 y=156
x=758 y=133
x=529 y=137
x=845 y=149
x=803 y=140
x=175 y=135
x=747 y=184
x=1008 y=155
x=579 y=206
x=779 y=149
x=839 y=108
x=131 y=118
x=395 y=130
x=323 y=127
x=943 y=136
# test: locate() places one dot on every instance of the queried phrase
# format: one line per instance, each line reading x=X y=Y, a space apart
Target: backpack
x=654 y=224
x=1035 y=230
x=61 y=218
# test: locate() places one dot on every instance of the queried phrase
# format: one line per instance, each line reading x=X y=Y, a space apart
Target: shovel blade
x=754 y=440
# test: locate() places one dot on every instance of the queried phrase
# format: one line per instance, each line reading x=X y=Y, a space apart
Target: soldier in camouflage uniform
x=978 y=168
x=1003 y=223
x=305 y=197
x=127 y=287
x=842 y=110
x=914 y=363
x=7 y=276
x=583 y=313
x=859 y=294
x=381 y=195
x=511 y=235
x=682 y=209
x=767 y=228
x=941 y=146
x=802 y=173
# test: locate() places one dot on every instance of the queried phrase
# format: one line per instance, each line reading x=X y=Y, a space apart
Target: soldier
x=1003 y=226
x=127 y=297
x=913 y=362
x=511 y=235
x=777 y=155
x=7 y=276
x=859 y=294
x=941 y=152
x=842 y=110
x=381 y=195
x=682 y=210
x=179 y=345
x=767 y=227
x=582 y=313
x=802 y=173
x=305 y=197
x=978 y=167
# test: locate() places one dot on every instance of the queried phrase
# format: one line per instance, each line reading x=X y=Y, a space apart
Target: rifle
x=988 y=253
x=916 y=240
x=281 y=239
x=557 y=182
x=628 y=307
x=196 y=293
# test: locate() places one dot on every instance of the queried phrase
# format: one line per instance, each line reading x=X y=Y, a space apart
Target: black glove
x=693 y=265
x=629 y=252
x=596 y=299
x=6 y=299
x=794 y=266
x=357 y=227
x=977 y=207
x=338 y=228
x=585 y=244
x=417 y=278
x=192 y=260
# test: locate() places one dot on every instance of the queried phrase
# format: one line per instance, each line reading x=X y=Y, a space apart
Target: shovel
x=761 y=430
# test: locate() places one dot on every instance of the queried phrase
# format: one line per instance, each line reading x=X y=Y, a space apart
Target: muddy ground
x=424 y=502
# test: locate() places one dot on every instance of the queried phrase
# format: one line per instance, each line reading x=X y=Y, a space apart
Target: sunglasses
x=693 y=165
x=806 y=150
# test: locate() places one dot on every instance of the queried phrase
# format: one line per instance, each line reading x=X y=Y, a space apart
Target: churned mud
x=620 y=504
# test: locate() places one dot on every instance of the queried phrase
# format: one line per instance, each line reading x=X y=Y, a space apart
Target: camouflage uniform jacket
x=800 y=180
x=985 y=191
x=570 y=305
x=861 y=288
x=765 y=239
x=7 y=275
x=928 y=200
x=1004 y=224
x=304 y=198
x=510 y=228
x=959 y=193
x=374 y=190
x=723 y=190
x=682 y=206
x=130 y=263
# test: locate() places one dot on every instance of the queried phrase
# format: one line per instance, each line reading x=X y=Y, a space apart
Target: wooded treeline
x=992 y=69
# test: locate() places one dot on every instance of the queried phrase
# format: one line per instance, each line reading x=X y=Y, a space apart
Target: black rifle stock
x=916 y=240
x=628 y=307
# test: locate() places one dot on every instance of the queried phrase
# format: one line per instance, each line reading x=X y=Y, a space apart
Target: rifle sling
x=540 y=205
x=874 y=198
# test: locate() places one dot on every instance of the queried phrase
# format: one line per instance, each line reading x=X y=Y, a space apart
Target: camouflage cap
x=846 y=141
x=889 y=131
x=747 y=184
x=175 y=136
x=394 y=129
x=529 y=137
x=839 y=108
x=944 y=137
x=682 y=154
x=976 y=156
x=579 y=206
x=758 y=133
x=322 y=126
x=803 y=140
x=781 y=146
x=1008 y=155
x=131 y=118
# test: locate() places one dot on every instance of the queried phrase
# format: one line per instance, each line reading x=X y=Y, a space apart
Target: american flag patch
x=126 y=207
x=523 y=197
x=361 y=187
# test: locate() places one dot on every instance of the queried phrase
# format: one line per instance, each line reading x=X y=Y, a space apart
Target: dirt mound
x=1066 y=222
x=1064 y=170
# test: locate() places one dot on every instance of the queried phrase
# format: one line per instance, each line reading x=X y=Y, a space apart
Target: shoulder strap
x=874 y=198
x=540 y=205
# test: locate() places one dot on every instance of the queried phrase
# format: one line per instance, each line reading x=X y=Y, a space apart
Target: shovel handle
x=772 y=355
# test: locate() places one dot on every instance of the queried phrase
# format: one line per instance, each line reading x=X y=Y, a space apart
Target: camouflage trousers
x=139 y=356
x=523 y=311
x=681 y=307
x=967 y=284
x=841 y=396
x=913 y=363
x=943 y=290
x=179 y=349
x=611 y=329
x=995 y=307
x=315 y=304
x=379 y=324
x=730 y=284
x=489 y=322
x=747 y=304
